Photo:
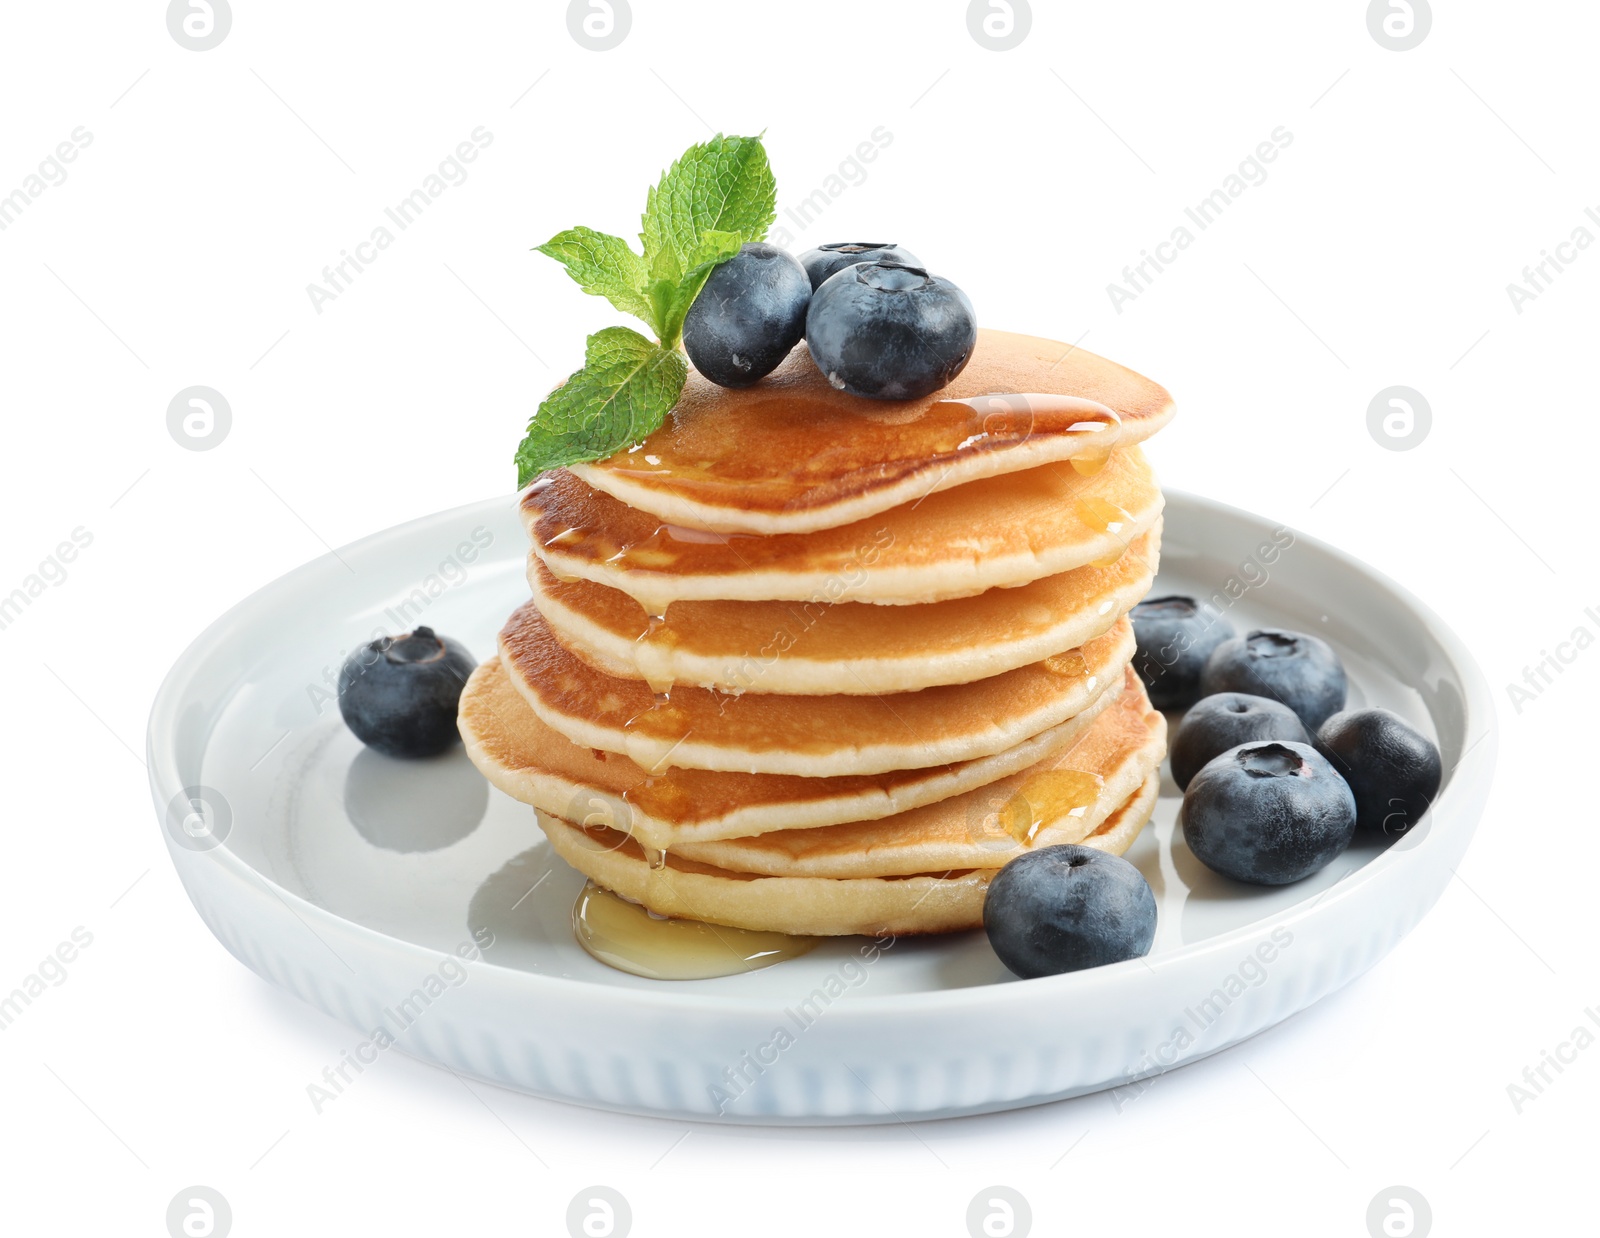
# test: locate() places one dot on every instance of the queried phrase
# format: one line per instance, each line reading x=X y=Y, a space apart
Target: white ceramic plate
x=355 y=881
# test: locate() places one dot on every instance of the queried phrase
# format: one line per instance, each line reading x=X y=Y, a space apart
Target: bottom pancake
x=807 y=906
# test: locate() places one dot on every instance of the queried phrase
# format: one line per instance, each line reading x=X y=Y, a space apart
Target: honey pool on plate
x=624 y=935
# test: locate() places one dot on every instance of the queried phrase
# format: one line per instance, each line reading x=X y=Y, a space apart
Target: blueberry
x=1224 y=721
x=1065 y=908
x=1301 y=671
x=748 y=316
x=1176 y=635
x=399 y=693
x=890 y=331
x=1393 y=770
x=1268 y=813
x=830 y=259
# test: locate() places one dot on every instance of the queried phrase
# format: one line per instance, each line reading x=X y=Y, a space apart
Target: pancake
x=997 y=531
x=1063 y=799
x=791 y=454
x=809 y=648
x=812 y=736
x=819 y=906
x=530 y=762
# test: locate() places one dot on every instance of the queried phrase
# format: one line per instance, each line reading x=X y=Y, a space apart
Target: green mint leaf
x=603 y=266
x=724 y=185
x=661 y=293
x=663 y=265
x=714 y=249
x=625 y=390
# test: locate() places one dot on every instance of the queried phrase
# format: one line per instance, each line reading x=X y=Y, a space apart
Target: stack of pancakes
x=806 y=662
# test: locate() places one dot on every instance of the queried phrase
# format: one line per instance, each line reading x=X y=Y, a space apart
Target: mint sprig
x=715 y=198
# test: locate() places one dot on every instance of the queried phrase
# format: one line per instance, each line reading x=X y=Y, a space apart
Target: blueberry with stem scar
x=399 y=694
x=828 y=260
x=1175 y=636
x=1300 y=670
x=1224 y=721
x=1268 y=813
x=889 y=331
x=1067 y=907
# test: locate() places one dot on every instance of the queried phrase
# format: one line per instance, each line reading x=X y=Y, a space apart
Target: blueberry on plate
x=890 y=331
x=1067 y=907
x=1224 y=721
x=1301 y=671
x=748 y=316
x=830 y=259
x=1176 y=635
x=399 y=694
x=1268 y=813
x=1393 y=770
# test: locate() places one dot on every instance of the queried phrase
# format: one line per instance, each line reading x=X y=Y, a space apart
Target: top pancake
x=791 y=454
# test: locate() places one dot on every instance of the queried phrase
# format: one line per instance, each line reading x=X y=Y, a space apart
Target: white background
x=218 y=184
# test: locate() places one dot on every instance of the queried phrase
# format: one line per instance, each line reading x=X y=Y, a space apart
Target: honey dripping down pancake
x=808 y=648
x=813 y=736
x=1062 y=799
x=994 y=532
x=944 y=902
x=530 y=762
x=791 y=454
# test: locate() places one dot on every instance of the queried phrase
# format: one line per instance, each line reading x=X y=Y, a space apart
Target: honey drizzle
x=929 y=436
x=1073 y=665
x=1049 y=798
x=1104 y=517
x=650 y=735
x=626 y=936
x=652 y=654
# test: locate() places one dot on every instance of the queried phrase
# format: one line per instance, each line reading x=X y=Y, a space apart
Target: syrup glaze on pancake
x=807 y=648
x=813 y=736
x=791 y=454
x=530 y=762
x=1062 y=799
x=944 y=902
x=998 y=531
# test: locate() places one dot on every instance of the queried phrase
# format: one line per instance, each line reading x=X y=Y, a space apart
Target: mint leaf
x=625 y=390
x=724 y=185
x=603 y=266
x=661 y=293
x=674 y=300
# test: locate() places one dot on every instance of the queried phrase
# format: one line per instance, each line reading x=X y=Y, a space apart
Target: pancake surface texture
x=793 y=455
x=530 y=762
x=813 y=736
x=996 y=532
x=944 y=902
x=809 y=648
